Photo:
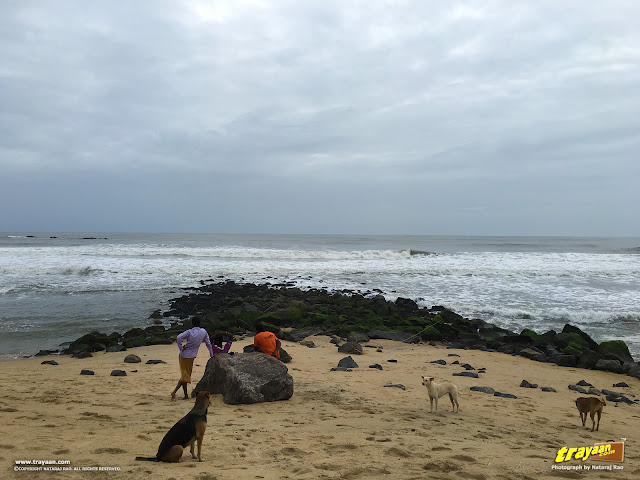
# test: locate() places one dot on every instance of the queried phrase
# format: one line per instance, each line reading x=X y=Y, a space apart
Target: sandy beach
x=337 y=425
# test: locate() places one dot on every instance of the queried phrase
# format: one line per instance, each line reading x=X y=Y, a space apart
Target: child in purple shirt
x=193 y=338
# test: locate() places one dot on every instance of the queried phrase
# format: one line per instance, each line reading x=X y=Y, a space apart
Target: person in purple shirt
x=189 y=343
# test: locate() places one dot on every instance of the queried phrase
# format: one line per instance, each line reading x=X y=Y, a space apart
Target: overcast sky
x=424 y=117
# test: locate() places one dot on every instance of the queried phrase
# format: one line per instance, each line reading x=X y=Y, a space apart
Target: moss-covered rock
x=617 y=348
x=431 y=333
x=132 y=342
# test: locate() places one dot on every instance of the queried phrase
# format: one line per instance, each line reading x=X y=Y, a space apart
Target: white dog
x=437 y=390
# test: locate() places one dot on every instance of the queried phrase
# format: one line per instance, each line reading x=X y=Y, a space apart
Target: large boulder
x=247 y=378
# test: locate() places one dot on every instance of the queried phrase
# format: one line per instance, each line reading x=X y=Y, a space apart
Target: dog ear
x=432 y=378
x=422 y=376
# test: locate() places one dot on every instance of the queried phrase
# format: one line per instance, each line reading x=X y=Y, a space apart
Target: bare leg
x=184 y=388
x=173 y=394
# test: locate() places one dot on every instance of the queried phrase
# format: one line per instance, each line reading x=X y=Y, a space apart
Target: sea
x=55 y=287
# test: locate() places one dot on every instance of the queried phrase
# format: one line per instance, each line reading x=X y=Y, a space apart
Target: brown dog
x=184 y=433
x=590 y=405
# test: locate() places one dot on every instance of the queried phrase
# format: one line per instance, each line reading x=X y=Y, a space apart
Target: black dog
x=184 y=433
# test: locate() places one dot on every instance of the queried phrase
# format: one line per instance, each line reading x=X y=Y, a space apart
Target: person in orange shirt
x=266 y=342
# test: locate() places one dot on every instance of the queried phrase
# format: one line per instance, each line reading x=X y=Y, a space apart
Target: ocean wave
x=82 y=271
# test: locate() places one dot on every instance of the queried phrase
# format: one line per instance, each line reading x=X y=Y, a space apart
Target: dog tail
x=147 y=459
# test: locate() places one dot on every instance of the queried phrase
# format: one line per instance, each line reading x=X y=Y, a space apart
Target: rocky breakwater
x=295 y=314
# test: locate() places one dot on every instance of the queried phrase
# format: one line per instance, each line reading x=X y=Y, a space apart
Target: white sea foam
x=526 y=288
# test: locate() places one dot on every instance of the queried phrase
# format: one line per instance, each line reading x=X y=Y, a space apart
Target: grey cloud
x=500 y=117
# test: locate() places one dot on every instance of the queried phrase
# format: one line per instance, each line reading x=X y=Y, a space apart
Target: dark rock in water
x=44 y=353
x=376 y=365
x=116 y=348
x=504 y=395
x=548 y=389
x=118 y=373
x=357 y=337
x=347 y=362
x=131 y=358
x=351 y=348
x=439 y=362
x=154 y=362
x=157 y=314
x=620 y=384
x=466 y=374
x=397 y=385
x=583 y=383
x=483 y=390
x=525 y=384
x=406 y=303
x=593 y=345
x=82 y=355
x=87 y=372
x=49 y=362
x=247 y=378
x=609 y=366
x=577 y=388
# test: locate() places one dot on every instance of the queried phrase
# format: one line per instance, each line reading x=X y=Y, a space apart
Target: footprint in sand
x=113 y=451
x=464 y=458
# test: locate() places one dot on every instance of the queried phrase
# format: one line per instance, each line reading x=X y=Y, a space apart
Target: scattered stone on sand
x=392 y=361
x=466 y=366
x=483 y=389
x=131 y=358
x=397 y=385
x=308 y=344
x=582 y=383
x=525 y=384
x=118 y=373
x=439 y=362
x=347 y=362
x=577 y=388
x=504 y=395
x=351 y=348
x=453 y=355
x=466 y=374
x=376 y=365
x=49 y=362
x=620 y=384
x=593 y=391
x=87 y=372
x=548 y=389
x=154 y=362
